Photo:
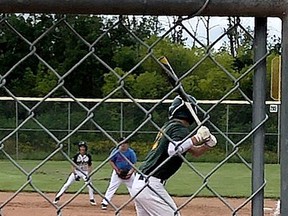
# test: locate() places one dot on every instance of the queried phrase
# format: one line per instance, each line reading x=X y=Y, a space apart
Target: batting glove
x=77 y=178
x=212 y=141
x=86 y=178
x=203 y=134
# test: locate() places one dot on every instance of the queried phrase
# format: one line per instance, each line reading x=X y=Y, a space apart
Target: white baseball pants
x=148 y=203
x=71 y=180
x=114 y=184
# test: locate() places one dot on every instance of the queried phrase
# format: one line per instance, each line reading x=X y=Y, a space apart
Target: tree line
x=94 y=55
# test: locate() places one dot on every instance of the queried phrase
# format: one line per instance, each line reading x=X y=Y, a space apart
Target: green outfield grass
x=231 y=180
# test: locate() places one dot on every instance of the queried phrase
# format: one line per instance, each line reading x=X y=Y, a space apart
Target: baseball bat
x=173 y=79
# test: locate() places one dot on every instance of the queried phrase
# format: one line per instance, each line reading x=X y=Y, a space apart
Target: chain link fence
x=121 y=126
x=89 y=117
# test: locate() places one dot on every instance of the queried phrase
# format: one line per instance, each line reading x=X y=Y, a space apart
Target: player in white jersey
x=83 y=160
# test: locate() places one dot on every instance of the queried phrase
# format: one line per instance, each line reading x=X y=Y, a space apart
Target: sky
x=217 y=25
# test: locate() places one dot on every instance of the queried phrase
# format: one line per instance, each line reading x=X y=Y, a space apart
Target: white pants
x=71 y=180
x=114 y=184
x=148 y=203
x=277 y=210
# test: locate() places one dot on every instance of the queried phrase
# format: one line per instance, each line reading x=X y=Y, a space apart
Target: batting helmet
x=83 y=143
x=179 y=110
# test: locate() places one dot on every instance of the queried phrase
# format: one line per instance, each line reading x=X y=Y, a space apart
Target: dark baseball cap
x=121 y=140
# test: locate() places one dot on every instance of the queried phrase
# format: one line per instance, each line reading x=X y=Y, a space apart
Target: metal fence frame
x=255 y=8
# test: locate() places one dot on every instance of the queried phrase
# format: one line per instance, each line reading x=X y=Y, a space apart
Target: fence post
x=259 y=107
x=69 y=127
x=17 y=133
x=278 y=132
x=284 y=119
x=121 y=119
x=227 y=128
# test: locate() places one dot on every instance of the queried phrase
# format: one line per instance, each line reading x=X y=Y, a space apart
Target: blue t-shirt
x=120 y=161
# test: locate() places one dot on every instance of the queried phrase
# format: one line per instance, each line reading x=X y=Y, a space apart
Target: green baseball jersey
x=159 y=152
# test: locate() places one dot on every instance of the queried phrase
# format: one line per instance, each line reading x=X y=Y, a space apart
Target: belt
x=141 y=177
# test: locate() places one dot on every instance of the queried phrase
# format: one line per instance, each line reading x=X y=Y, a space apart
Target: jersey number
x=158 y=137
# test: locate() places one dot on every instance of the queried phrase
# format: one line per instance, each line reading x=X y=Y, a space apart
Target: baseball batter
x=122 y=170
x=163 y=161
x=83 y=161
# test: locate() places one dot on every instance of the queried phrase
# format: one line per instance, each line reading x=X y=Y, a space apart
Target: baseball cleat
x=56 y=200
x=92 y=202
x=103 y=206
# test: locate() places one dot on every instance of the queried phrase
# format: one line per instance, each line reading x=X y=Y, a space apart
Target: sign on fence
x=275 y=78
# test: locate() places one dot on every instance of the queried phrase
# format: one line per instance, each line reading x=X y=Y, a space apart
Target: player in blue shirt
x=122 y=170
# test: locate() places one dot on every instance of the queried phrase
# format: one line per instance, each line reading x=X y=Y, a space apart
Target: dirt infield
x=32 y=204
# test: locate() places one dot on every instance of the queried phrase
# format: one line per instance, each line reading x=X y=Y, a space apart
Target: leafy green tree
x=149 y=85
x=45 y=81
x=24 y=84
x=113 y=81
x=126 y=58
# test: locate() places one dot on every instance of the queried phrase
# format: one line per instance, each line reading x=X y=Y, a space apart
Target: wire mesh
x=148 y=53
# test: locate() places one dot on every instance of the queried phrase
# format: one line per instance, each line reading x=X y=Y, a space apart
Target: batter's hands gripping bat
x=173 y=79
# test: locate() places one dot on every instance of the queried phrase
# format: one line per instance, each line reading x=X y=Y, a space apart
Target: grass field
x=231 y=180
